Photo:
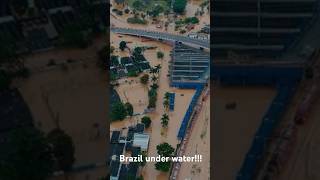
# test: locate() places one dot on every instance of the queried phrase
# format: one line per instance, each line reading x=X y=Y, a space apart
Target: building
x=259 y=28
x=132 y=141
x=188 y=65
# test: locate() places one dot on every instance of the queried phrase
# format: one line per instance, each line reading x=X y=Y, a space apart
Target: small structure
x=141 y=140
x=135 y=142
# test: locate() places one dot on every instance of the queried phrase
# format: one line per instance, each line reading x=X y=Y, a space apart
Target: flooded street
x=183 y=99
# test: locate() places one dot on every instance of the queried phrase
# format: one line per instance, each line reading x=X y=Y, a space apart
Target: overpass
x=162 y=36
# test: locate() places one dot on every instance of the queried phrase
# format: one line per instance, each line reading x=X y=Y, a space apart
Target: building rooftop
x=141 y=140
x=188 y=64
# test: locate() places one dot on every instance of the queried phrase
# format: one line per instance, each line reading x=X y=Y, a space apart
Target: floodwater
x=191 y=8
x=233 y=130
x=199 y=143
x=182 y=101
x=74 y=100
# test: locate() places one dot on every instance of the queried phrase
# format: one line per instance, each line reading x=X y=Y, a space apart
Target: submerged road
x=162 y=36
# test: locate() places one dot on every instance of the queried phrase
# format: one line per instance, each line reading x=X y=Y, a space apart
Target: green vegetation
x=160 y=54
x=132 y=74
x=156 y=10
x=63 y=149
x=165 y=120
x=179 y=6
x=136 y=20
x=144 y=79
x=118 y=111
x=26 y=155
x=146 y=120
x=137 y=51
x=165 y=150
x=129 y=108
x=138 y=5
x=192 y=20
x=122 y=45
x=166 y=100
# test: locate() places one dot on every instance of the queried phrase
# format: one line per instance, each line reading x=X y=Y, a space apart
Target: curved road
x=161 y=35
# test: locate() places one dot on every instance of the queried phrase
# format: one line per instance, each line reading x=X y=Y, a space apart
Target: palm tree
x=167 y=95
x=153 y=70
x=166 y=103
x=154 y=86
x=158 y=67
x=154 y=79
x=165 y=120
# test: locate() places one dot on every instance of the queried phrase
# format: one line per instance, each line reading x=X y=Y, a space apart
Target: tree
x=165 y=120
x=163 y=166
x=179 y=6
x=158 y=67
x=154 y=86
x=26 y=154
x=165 y=149
x=144 y=79
x=166 y=95
x=160 y=55
x=154 y=78
x=138 y=5
x=166 y=103
x=63 y=148
x=118 y=111
x=137 y=51
x=122 y=45
x=146 y=120
x=129 y=108
x=152 y=101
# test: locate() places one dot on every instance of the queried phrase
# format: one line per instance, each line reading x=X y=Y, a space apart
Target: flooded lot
x=233 y=129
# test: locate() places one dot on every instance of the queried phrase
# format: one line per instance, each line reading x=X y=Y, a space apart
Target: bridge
x=162 y=36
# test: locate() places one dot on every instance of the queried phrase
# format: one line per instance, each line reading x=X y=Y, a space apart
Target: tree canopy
x=26 y=155
x=63 y=149
x=179 y=6
x=118 y=111
x=144 y=79
x=122 y=45
x=146 y=120
x=129 y=108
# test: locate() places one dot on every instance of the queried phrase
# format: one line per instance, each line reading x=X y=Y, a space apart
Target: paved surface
x=163 y=36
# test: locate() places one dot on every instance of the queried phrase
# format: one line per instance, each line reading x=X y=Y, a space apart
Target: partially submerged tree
x=122 y=45
x=165 y=120
x=26 y=154
x=118 y=111
x=63 y=149
x=165 y=150
x=160 y=54
x=146 y=120
x=144 y=79
x=129 y=108
x=179 y=6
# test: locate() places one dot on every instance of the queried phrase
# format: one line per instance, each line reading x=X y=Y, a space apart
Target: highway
x=162 y=36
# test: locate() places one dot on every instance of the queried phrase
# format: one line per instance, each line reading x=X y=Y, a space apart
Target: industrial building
x=188 y=65
x=246 y=29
